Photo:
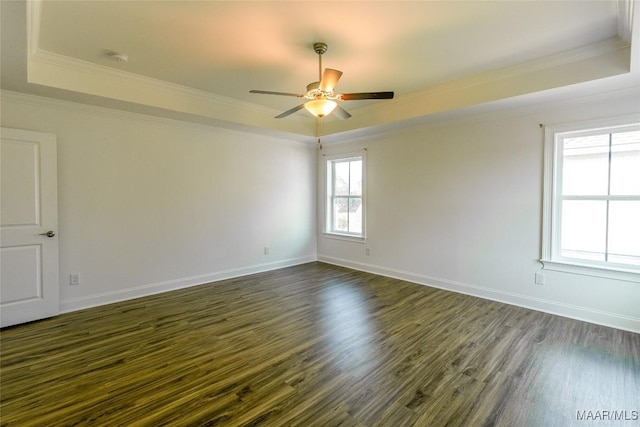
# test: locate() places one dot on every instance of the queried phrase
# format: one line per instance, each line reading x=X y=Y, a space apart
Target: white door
x=28 y=212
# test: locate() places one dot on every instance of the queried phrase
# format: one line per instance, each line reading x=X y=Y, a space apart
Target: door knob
x=48 y=233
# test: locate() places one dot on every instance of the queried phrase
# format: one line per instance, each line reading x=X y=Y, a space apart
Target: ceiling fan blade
x=291 y=111
x=329 y=80
x=341 y=113
x=268 y=92
x=365 y=95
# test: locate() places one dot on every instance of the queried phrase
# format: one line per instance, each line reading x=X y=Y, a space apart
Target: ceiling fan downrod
x=322 y=99
x=320 y=48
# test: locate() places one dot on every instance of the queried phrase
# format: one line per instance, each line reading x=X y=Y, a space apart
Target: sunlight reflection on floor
x=347 y=324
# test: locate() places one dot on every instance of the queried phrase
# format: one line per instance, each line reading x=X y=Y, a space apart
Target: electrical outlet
x=539 y=279
x=367 y=251
x=74 y=279
x=266 y=250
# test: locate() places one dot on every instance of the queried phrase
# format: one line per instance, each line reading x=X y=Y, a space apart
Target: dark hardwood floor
x=317 y=345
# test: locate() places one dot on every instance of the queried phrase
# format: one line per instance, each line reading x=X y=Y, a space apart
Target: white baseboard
x=172 y=285
x=613 y=320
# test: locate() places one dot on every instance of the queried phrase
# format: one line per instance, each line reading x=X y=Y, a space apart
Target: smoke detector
x=117 y=56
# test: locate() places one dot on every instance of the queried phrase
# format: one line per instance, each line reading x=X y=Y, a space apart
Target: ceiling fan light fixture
x=321 y=94
x=320 y=107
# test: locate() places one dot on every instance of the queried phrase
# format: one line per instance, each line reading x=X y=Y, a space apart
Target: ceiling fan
x=321 y=94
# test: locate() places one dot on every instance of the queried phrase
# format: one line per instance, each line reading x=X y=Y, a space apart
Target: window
x=591 y=219
x=345 y=201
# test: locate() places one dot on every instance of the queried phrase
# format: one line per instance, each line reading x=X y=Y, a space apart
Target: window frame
x=551 y=257
x=328 y=196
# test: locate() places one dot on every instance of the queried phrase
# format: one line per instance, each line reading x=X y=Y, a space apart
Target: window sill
x=345 y=237
x=590 y=270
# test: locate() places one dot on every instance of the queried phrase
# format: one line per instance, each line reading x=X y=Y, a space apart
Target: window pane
x=624 y=232
x=344 y=195
x=356 y=178
x=625 y=163
x=340 y=214
x=584 y=229
x=355 y=215
x=341 y=179
x=586 y=165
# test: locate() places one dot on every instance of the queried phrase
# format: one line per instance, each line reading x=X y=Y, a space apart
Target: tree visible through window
x=344 y=196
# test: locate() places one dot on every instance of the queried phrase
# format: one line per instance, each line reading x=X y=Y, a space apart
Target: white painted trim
x=618 y=321
x=324 y=178
x=591 y=270
x=40 y=101
x=583 y=64
x=34 y=18
x=81 y=303
x=503 y=109
x=549 y=174
x=100 y=71
x=580 y=54
x=551 y=209
x=343 y=237
x=55 y=70
x=625 y=19
x=61 y=72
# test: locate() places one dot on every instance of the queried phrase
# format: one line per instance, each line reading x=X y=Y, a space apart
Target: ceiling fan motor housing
x=320 y=48
x=321 y=94
x=313 y=86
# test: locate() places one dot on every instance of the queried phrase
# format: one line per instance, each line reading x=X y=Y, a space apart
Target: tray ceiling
x=197 y=60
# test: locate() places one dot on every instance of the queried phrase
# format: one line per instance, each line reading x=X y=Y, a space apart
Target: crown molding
x=22 y=98
x=34 y=14
x=59 y=71
x=525 y=68
x=100 y=71
x=541 y=64
x=600 y=60
x=51 y=69
x=500 y=110
x=605 y=59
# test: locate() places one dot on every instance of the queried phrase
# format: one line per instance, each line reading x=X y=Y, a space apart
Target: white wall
x=147 y=204
x=458 y=205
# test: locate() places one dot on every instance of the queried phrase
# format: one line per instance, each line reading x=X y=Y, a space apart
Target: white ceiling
x=437 y=56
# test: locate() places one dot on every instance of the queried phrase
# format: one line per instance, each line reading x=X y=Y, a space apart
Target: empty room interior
x=320 y=213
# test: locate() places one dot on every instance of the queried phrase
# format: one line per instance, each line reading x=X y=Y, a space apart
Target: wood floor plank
x=314 y=345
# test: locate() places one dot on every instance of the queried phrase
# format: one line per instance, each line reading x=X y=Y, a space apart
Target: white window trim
x=325 y=209
x=550 y=257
